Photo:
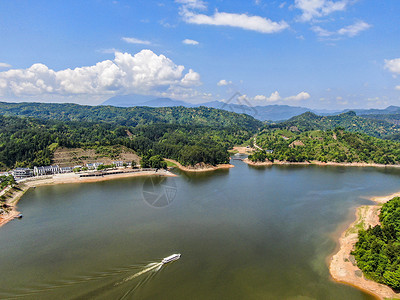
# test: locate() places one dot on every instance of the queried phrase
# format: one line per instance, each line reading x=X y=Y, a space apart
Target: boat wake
x=150 y=269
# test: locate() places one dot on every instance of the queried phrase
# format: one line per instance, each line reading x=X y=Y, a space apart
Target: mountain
x=130 y=116
x=262 y=113
x=127 y=100
x=141 y=100
x=388 y=110
x=348 y=121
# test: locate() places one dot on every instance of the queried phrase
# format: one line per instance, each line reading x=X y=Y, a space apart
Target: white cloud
x=397 y=87
x=299 y=97
x=318 y=8
x=132 y=40
x=393 y=65
x=272 y=98
x=4 y=65
x=275 y=97
x=143 y=73
x=350 y=31
x=193 y=4
x=190 y=42
x=244 y=21
x=224 y=82
x=354 y=29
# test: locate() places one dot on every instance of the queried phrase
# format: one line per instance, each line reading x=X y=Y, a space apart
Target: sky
x=319 y=54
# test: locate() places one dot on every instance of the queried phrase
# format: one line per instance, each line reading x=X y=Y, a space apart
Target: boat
x=170 y=258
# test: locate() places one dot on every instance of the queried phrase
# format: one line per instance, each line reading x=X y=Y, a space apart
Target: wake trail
x=152 y=267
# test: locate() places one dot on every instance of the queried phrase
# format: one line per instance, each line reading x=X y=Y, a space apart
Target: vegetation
x=153 y=161
x=326 y=146
x=261 y=156
x=348 y=121
x=130 y=116
x=6 y=181
x=28 y=142
x=104 y=167
x=378 y=249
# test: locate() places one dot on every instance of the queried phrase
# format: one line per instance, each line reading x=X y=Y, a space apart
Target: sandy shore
x=342 y=264
x=12 y=202
x=200 y=168
x=62 y=179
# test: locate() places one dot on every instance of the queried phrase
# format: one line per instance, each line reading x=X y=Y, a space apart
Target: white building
x=47 y=170
x=19 y=173
x=118 y=163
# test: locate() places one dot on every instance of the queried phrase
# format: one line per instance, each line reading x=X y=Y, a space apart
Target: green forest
x=130 y=116
x=349 y=121
x=325 y=146
x=30 y=133
x=28 y=142
x=378 y=249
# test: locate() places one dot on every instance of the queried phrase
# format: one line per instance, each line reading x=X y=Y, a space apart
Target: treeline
x=349 y=121
x=378 y=249
x=130 y=116
x=27 y=142
x=326 y=146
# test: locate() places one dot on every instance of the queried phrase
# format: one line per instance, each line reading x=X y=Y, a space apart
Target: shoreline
x=342 y=265
x=65 y=179
x=318 y=163
x=200 y=169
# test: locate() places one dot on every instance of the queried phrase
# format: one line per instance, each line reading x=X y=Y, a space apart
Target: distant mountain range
x=262 y=113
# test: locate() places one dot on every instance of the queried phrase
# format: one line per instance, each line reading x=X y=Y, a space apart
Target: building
x=118 y=163
x=20 y=173
x=66 y=170
x=47 y=170
x=93 y=166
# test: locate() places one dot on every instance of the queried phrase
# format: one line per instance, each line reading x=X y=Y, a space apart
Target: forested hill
x=130 y=116
x=28 y=142
x=349 y=121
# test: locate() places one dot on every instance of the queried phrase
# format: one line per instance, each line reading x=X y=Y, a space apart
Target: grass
x=171 y=164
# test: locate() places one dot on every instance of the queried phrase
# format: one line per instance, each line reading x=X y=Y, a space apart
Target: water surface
x=244 y=233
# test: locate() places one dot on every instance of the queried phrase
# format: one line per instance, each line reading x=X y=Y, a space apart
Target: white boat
x=171 y=258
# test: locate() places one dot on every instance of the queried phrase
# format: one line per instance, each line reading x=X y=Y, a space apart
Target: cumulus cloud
x=190 y=42
x=143 y=73
x=275 y=97
x=243 y=21
x=299 y=97
x=318 y=8
x=4 y=65
x=132 y=40
x=223 y=82
x=272 y=98
x=393 y=65
x=350 y=31
x=397 y=87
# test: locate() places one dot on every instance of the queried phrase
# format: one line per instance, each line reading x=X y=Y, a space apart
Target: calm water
x=244 y=233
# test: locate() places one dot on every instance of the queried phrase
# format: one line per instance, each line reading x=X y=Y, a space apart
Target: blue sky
x=313 y=53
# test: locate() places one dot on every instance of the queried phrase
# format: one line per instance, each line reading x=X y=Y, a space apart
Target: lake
x=244 y=233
